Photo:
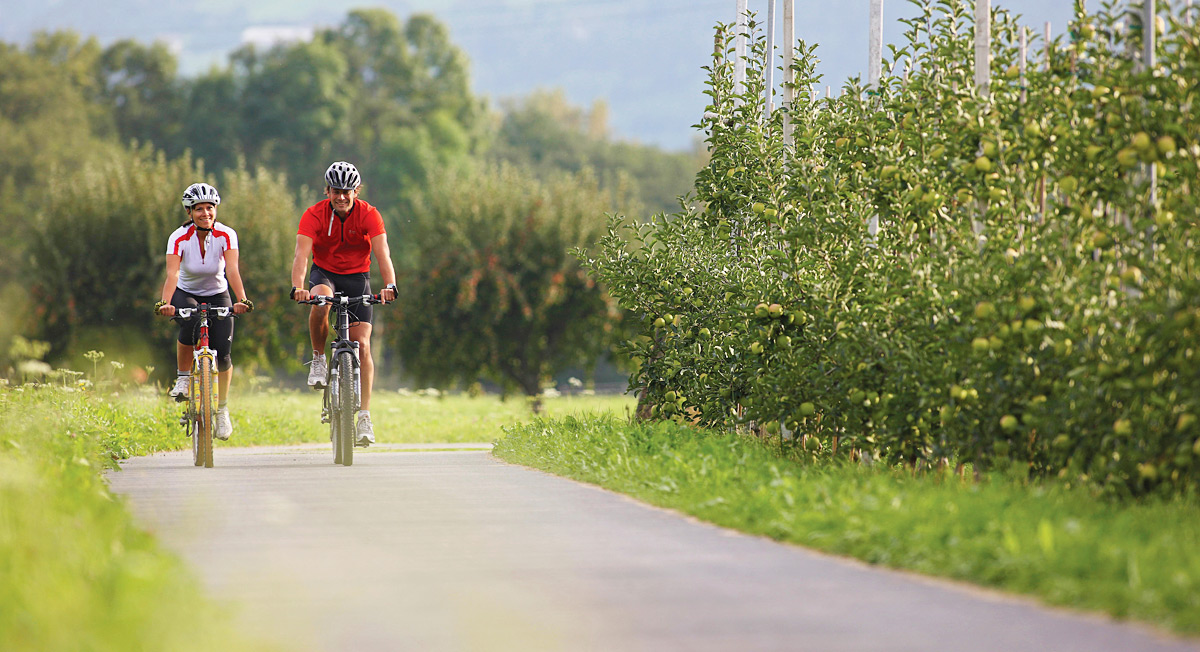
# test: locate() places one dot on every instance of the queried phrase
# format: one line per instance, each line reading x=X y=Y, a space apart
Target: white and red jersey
x=202 y=275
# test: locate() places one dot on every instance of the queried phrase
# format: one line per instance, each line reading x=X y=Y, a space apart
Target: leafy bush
x=491 y=290
x=1027 y=298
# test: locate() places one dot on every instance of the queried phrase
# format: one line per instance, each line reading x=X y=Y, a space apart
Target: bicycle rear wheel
x=346 y=406
x=206 y=409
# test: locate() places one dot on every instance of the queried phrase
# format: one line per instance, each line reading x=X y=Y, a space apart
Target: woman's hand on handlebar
x=166 y=310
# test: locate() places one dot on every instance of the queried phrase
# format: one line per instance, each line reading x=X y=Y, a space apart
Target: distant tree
x=492 y=290
x=48 y=117
x=295 y=108
x=140 y=87
x=209 y=132
x=545 y=132
x=413 y=109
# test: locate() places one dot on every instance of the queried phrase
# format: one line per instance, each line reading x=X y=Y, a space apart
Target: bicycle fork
x=334 y=386
x=202 y=356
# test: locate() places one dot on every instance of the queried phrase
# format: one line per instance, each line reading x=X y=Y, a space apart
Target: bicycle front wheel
x=206 y=412
x=346 y=406
x=332 y=391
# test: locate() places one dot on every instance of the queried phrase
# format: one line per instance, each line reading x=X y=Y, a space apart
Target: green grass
x=75 y=572
x=290 y=417
x=1138 y=560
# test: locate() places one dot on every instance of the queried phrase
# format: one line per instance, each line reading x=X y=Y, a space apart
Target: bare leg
x=183 y=356
x=223 y=380
x=361 y=332
x=318 y=321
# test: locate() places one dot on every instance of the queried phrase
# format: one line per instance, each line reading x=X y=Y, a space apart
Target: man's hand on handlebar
x=300 y=295
x=388 y=293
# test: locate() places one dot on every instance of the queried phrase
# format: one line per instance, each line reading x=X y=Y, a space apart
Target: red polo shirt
x=342 y=246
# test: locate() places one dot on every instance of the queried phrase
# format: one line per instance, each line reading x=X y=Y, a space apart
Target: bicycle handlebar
x=343 y=300
x=219 y=312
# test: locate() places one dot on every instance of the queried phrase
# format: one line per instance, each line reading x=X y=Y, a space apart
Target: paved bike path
x=425 y=549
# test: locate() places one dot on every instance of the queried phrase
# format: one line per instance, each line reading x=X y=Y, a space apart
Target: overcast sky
x=642 y=57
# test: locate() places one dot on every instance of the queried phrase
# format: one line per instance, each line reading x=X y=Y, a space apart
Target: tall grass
x=75 y=571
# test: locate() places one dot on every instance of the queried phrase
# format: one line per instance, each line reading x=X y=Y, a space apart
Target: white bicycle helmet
x=342 y=176
x=200 y=193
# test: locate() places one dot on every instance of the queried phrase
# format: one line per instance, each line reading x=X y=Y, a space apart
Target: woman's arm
x=169 y=284
x=234 y=274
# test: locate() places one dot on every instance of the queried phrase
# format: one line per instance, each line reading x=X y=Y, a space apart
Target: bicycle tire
x=207 y=409
x=193 y=419
x=333 y=388
x=346 y=406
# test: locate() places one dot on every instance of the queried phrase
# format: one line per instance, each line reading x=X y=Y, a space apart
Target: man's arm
x=304 y=245
x=383 y=254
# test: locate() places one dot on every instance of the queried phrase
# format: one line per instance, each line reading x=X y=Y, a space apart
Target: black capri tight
x=220 y=331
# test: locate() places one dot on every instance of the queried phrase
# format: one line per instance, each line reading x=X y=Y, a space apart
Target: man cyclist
x=340 y=233
x=202 y=267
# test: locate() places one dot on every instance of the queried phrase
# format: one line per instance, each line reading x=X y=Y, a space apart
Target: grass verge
x=75 y=572
x=276 y=417
x=1138 y=560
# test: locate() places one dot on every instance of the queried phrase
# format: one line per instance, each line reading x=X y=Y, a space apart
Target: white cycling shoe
x=317 y=371
x=366 y=432
x=224 y=426
x=180 y=391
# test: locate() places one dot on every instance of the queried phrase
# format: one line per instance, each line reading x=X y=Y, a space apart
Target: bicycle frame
x=336 y=409
x=200 y=411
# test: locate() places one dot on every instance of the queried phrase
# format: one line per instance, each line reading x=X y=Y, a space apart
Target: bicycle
x=199 y=415
x=342 y=396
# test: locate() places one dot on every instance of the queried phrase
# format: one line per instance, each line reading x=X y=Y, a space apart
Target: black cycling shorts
x=349 y=285
x=220 y=331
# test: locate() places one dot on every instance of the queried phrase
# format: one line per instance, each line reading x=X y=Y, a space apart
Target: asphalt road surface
x=415 y=548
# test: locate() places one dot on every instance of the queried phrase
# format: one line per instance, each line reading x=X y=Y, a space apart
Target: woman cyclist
x=202 y=265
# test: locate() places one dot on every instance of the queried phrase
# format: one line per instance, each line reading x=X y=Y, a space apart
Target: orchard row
x=927 y=274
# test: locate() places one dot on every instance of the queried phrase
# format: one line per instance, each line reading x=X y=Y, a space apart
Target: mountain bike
x=343 y=386
x=200 y=413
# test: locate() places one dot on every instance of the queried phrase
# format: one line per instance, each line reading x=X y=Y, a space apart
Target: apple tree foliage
x=491 y=290
x=1028 y=300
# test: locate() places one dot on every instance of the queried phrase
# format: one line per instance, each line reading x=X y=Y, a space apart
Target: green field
x=291 y=417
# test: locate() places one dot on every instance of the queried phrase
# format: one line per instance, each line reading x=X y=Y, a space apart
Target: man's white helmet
x=342 y=176
x=200 y=193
